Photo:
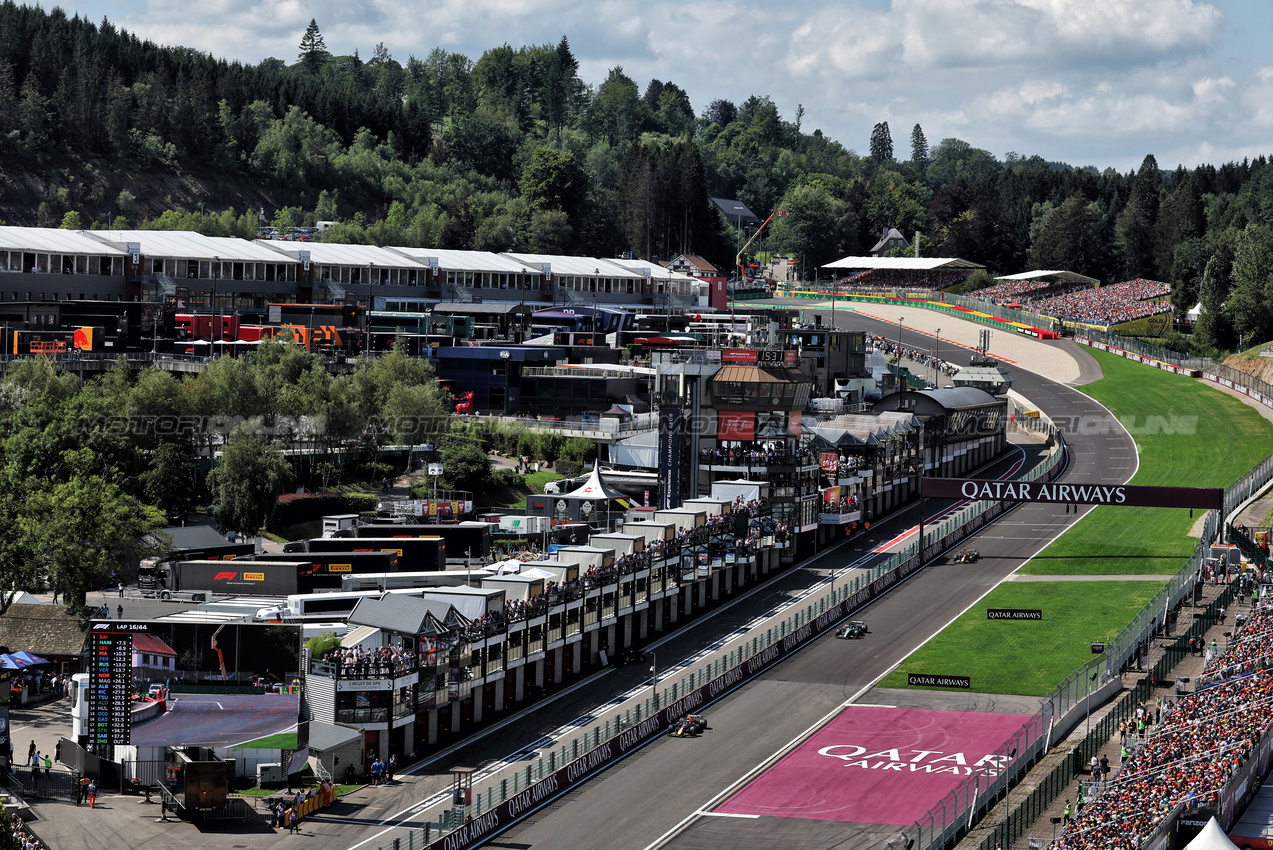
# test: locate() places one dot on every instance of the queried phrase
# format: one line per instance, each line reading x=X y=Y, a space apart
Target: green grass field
x=1030 y=656
x=281 y=741
x=1187 y=435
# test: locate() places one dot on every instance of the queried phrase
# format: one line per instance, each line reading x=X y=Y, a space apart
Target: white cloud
x=1258 y=97
x=926 y=35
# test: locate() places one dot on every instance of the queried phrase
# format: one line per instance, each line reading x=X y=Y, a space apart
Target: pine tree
x=881 y=143
x=8 y=98
x=313 y=49
x=919 y=149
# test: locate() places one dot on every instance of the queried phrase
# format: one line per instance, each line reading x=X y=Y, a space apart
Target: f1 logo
x=224 y=576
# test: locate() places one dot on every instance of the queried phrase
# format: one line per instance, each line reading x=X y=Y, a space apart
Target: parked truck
x=324 y=570
x=463 y=539
x=196 y=581
x=415 y=554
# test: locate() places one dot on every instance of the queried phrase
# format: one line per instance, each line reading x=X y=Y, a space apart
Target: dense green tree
x=1249 y=306
x=85 y=532
x=818 y=227
x=881 y=143
x=1188 y=263
x=1073 y=238
x=313 y=48
x=616 y=113
x=919 y=149
x=553 y=180
x=465 y=466
x=172 y=478
x=721 y=112
x=248 y=479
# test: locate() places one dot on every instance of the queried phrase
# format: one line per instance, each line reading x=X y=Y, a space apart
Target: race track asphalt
x=218 y=720
x=654 y=797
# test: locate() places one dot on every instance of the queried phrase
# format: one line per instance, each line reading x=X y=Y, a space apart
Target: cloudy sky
x=1089 y=82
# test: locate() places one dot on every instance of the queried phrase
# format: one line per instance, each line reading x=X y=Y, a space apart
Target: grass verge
x=1028 y=656
x=1187 y=435
x=281 y=741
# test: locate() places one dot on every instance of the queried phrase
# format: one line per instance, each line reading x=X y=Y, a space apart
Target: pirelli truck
x=197 y=581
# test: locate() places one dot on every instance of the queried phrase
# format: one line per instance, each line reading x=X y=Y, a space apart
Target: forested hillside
x=514 y=150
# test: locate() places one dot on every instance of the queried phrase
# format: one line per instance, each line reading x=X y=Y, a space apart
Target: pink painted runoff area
x=879 y=765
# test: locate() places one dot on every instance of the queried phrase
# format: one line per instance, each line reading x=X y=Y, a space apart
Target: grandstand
x=1078 y=298
x=1108 y=305
x=900 y=273
x=1020 y=290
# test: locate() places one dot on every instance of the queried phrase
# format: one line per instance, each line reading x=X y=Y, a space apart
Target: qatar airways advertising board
x=1124 y=495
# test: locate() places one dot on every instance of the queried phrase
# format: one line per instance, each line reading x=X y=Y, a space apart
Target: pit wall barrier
x=504 y=802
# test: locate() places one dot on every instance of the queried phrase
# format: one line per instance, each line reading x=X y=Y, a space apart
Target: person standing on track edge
x=92 y=793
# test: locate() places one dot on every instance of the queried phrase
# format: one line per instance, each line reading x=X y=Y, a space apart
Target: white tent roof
x=187 y=245
x=595 y=488
x=559 y=264
x=336 y=254
x=657 y=272
x=903 y=263
x=500 y=568
x=1060 y=275
x=466 y=261
x=1211 y=837
x=53 y=240
x=731 y=490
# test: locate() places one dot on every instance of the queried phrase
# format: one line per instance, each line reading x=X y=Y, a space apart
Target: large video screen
x=204 y=684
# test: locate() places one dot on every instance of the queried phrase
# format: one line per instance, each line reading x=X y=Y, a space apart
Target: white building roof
x=335 y=254
x=248 y=250
x=1045 y=274
x=466 y=261
x=903 y=263
x=657 y=272
x=52 y=240
x=184 y=245
x=580 y=266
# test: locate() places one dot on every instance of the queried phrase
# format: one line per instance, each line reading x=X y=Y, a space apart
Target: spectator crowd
x=916 y=355
x=1193 y=750
x=1202 y=739
x=1105 y=305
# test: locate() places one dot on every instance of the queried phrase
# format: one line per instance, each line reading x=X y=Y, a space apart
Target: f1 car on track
x=852 y=629
x=967 y=556
x=689 y=726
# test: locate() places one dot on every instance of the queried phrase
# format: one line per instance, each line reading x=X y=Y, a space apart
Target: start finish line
x=1126 y=495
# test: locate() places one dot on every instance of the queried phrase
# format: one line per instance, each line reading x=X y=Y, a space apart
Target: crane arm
x=742 y=272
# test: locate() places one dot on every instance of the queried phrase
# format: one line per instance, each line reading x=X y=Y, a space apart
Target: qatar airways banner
x=1126 y=495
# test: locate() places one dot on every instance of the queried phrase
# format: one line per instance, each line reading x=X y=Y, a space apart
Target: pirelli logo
x=340 y=568
x=254 y=576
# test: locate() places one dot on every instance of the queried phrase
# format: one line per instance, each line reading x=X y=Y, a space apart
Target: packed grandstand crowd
x=1105 y=305
x=1023 y=291
x=1188 y=757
